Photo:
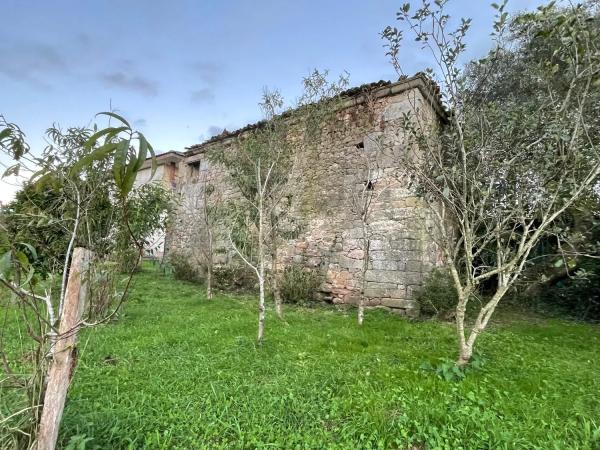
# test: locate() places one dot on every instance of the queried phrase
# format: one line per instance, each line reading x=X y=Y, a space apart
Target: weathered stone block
x=384 y=276
x=397 y=303
x=414 y=266
x=379 y=244
x=377 y=285
x=385 y=265
x=397 y=110
x=355 y=254
x=349 y=263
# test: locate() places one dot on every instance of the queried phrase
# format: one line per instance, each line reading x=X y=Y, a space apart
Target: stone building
x=167 y=174
x=355 y=148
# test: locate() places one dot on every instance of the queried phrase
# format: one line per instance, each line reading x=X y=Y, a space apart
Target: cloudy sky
x=181 y=71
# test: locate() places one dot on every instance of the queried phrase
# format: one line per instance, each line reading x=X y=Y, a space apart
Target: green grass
x=180 y=372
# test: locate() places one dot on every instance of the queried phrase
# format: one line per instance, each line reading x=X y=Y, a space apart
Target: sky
x=181 y=71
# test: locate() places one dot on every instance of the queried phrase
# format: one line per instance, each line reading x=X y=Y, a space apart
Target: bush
x=577 y=296
x=299 y=285
x=183 y=269
x=234 y=278
x=437 y=296
x=128 y=260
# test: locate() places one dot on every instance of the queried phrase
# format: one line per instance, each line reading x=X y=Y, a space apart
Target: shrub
x=183 y=269
x=234 y=278
x=437 y=296
x=128 y=260
x=299 y=285
x=577 y=296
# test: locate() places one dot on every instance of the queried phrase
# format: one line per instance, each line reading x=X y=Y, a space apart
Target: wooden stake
x=64 y=356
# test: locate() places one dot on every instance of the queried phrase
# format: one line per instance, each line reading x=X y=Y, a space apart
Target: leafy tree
x=262 y=165
x=148 y=208
x=82 y=188
x=518 y=148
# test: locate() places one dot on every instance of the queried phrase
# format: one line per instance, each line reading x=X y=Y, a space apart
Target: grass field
x=180 y=372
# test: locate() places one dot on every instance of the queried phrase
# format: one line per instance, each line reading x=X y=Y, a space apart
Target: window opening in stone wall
x=194 y=171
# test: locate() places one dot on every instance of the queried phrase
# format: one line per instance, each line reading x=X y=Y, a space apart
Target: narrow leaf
x=116 y=116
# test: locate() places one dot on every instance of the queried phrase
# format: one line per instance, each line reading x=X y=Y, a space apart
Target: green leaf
x=142 y=154
x=30 y=248
x=12 y=170
x=97 y=155
x=113 y=131
x=30 y=273
x=23 y=259
x=120 y=161
x=154 y=164
x=116 y=116
x=5 y=133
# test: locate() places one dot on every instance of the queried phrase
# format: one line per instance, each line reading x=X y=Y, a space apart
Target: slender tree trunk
x=209 y=292
x=277 y=296
x=461 y=308
x=274 y=279
x=64 y=358
x=261 y=308
x=209 y=255
x=466 y=345
x=365 y=267
x=261 y=273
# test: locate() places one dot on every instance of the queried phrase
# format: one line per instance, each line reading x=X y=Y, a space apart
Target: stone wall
x=356 y=146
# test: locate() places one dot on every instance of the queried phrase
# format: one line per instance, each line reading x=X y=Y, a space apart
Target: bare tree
x=260 y=165
x=200 y=211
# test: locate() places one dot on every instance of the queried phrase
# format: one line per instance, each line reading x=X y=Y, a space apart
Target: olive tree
x=262 y=164
x=519 y=146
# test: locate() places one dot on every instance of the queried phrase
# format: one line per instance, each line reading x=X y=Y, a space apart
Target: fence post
x=64 y=357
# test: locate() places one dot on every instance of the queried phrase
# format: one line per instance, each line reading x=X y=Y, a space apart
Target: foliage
x=300 y=286
x=182 y=267
x=508 y=161
x=576 y=296
x=34 y=217
x=148 y=209
x=104 y=290
x=80 y=191
x=262 y=166
x=437 y=295
x=238 y=278
x=143 y=217
x=328 y=384
x=564 y=275
x=447 y=369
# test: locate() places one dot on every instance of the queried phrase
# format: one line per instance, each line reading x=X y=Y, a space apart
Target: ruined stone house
x=368 y=122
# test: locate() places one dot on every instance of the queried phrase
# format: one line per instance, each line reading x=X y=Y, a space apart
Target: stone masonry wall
x=332 y=171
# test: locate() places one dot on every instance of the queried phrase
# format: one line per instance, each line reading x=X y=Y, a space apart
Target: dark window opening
x=194 y=170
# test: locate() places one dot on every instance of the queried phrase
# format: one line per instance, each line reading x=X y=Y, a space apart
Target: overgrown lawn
x=180 y=372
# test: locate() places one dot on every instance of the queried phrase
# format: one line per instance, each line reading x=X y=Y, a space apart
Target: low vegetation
x=178 y=371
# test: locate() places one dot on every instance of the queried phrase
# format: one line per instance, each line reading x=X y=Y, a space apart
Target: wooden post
x=64 y=357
